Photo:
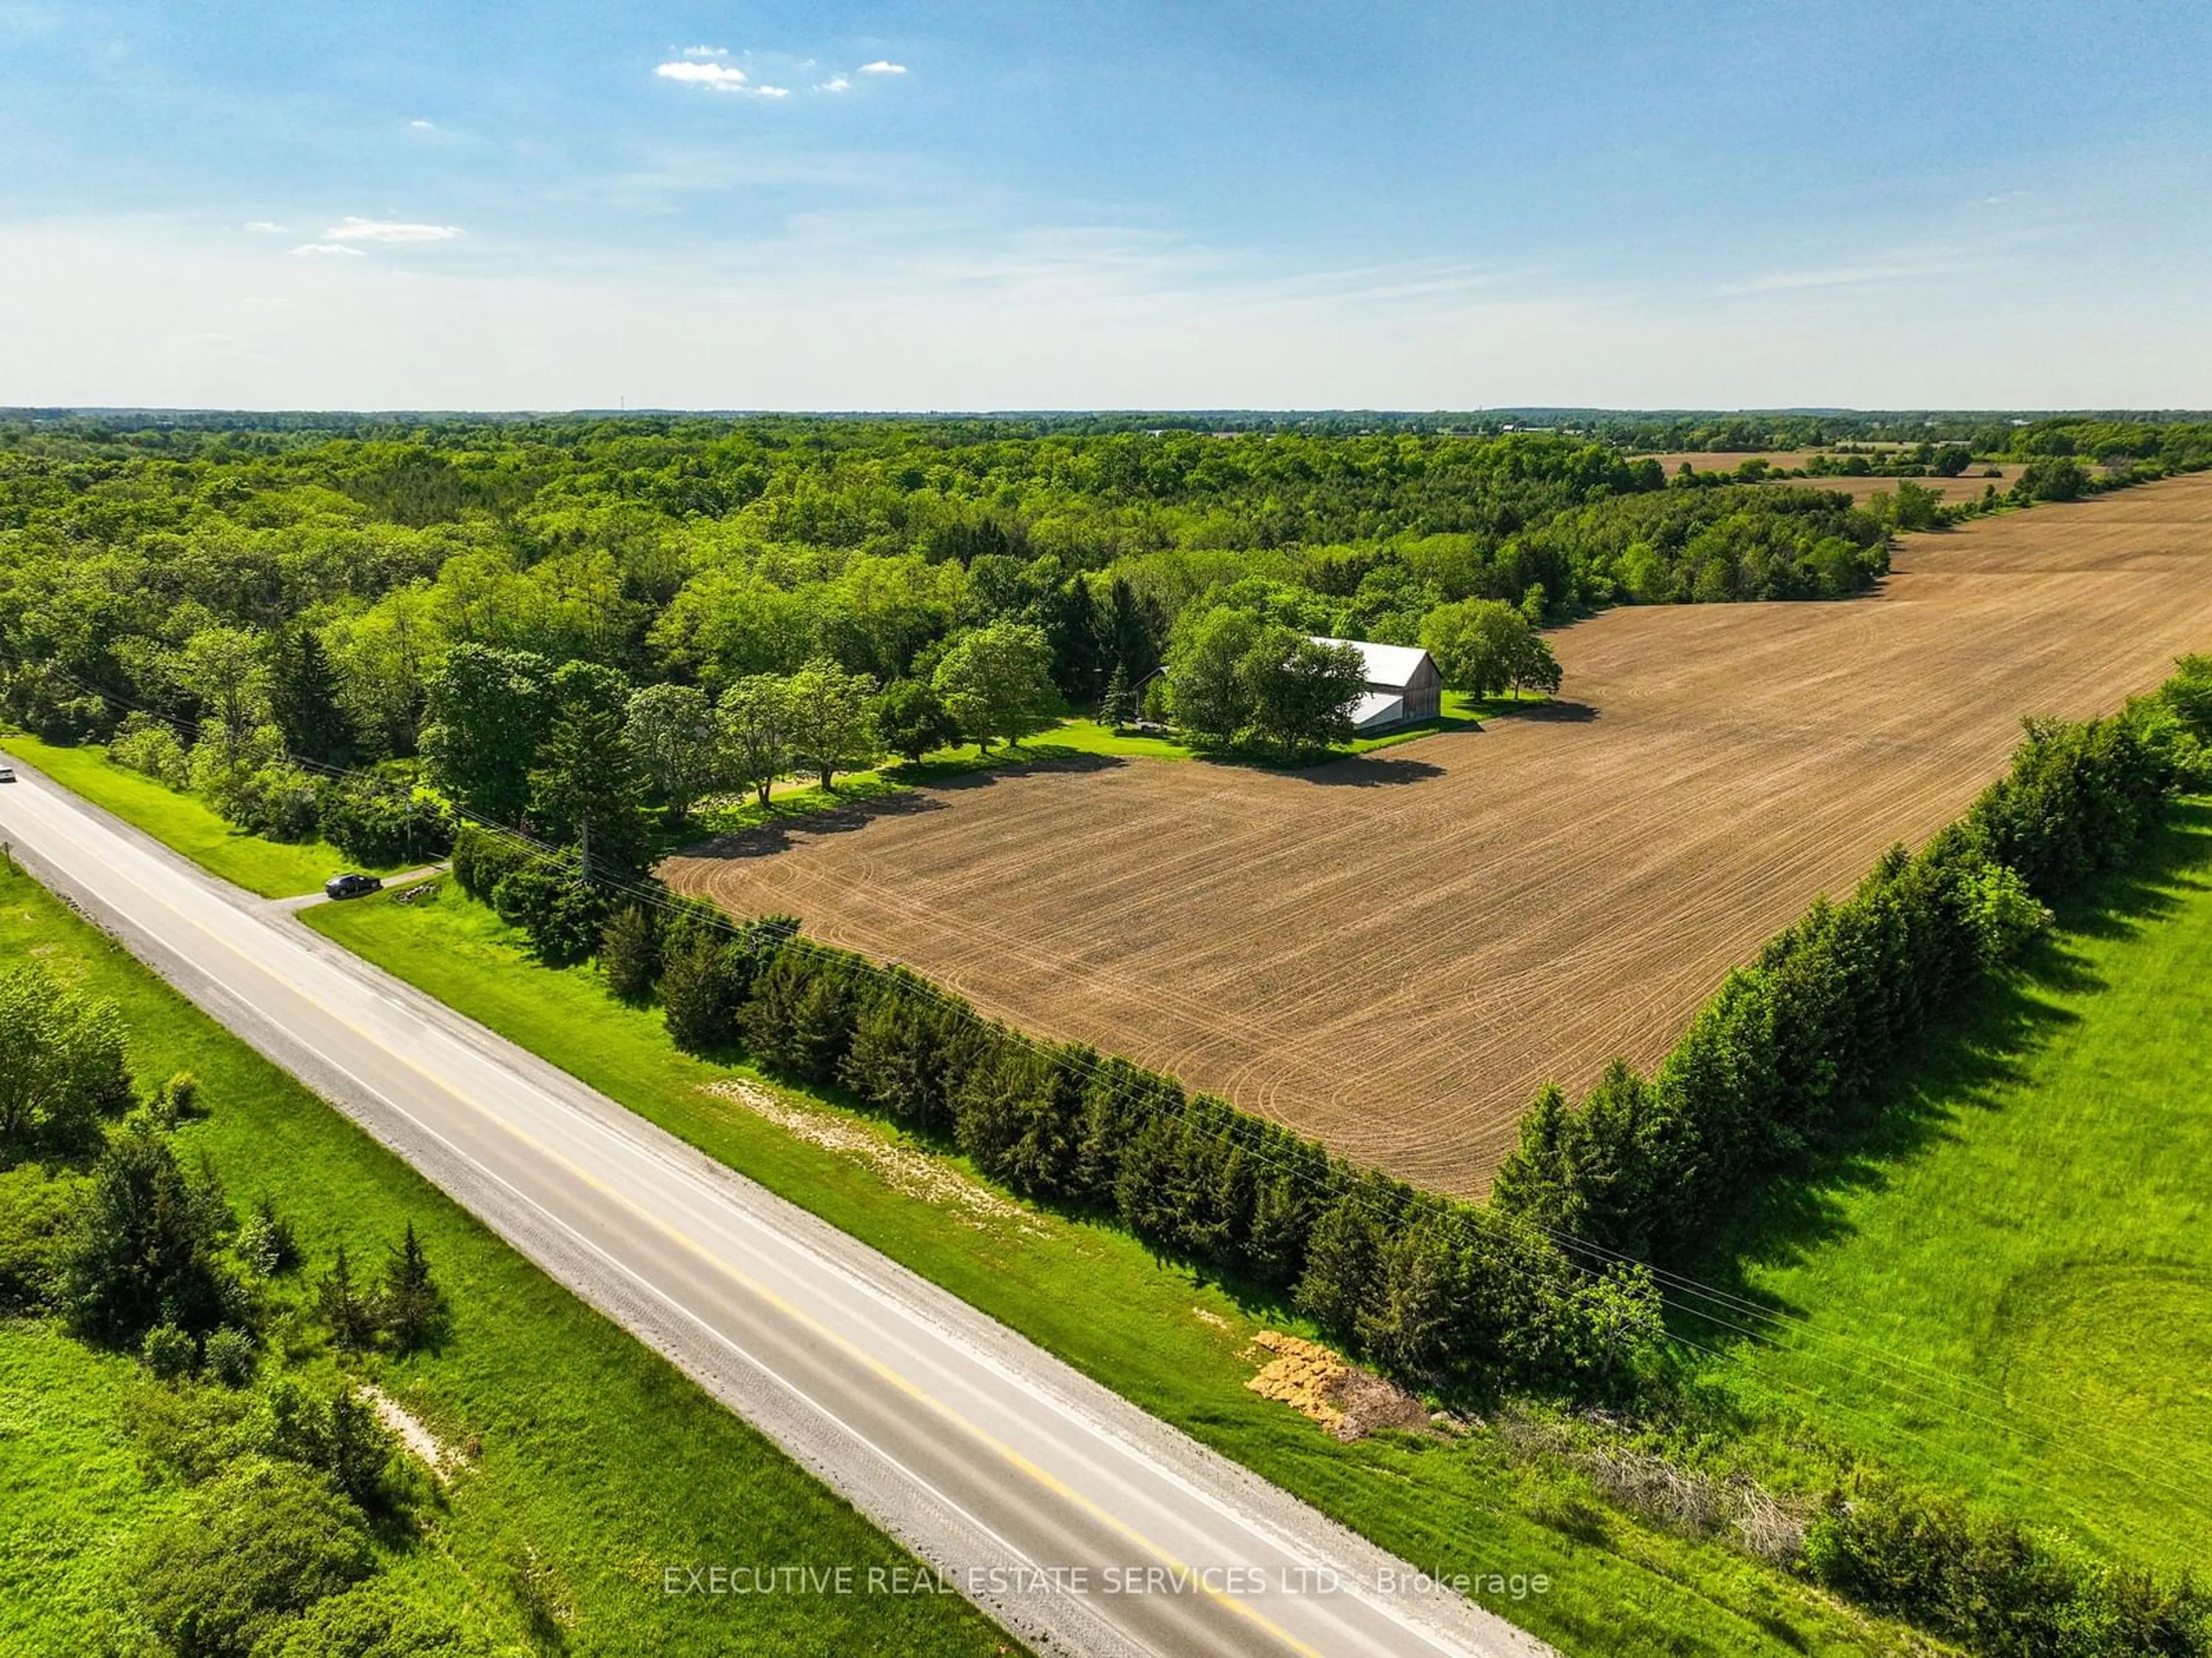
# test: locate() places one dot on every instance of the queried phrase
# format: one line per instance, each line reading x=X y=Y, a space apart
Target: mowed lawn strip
x=2022 y=1305
x=1174 y=1344
x=596 y=1454
x=185 y=823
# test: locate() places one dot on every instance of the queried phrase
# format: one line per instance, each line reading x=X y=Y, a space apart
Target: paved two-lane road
x=1042 y=1495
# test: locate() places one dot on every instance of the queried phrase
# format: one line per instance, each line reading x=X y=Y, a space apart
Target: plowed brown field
x=1392 y=952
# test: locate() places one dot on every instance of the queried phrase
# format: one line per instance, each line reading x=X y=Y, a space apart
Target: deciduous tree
x=912 y=719
x=827 y=709
x=1208 y=696
x=224 y=668
x=996 y=682
x=486 y=712
x=671 y=730
x=62 y=1066
x=1477 y=644
x=1301 y=692
x=756 y=732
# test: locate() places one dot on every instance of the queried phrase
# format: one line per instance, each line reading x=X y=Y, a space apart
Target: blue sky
x=1110 y=203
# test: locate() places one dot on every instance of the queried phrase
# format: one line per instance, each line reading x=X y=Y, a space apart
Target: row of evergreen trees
x=1425 y=1286
x=1792 y=1050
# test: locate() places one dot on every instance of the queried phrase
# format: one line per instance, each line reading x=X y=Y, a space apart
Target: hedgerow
x=1793 y=1049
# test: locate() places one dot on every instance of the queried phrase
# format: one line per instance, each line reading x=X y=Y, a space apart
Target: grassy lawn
x=1068 y=740
x=2019 y=1304
x=73 y=1489
x=595 y=1452
x=1461 y=712
x=185 y=823
x=1175 y=1344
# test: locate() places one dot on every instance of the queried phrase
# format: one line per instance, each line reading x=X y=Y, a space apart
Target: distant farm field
x=1391 y=952
x=1968 y=487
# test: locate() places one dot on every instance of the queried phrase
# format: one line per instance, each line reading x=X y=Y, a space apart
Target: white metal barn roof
x=1387 y=664
x=1376 y=708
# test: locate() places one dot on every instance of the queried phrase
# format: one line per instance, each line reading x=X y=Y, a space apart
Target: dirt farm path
x=1392 y=952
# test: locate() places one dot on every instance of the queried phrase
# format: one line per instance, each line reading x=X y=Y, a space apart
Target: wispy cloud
x=772 y=91
x=354 y=228
x=1864 y=274
x=933 y=308
x=323 y=250
x=419 y=126
x=835 y=83
x=706 y=52
x=265 y=228
x=883 y=66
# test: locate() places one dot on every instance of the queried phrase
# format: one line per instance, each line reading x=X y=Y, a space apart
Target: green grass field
x=1175 y=1344
x=595 y=1452
x=2016 y=1300
x=186 y=824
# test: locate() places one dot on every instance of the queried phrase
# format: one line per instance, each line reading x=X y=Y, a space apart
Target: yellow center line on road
x=1013 y=1458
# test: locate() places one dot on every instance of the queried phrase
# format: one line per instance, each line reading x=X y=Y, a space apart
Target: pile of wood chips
x=1320 y=1385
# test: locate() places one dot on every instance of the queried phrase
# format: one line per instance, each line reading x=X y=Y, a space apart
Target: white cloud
x=323 y=250
x=354 y=228
x=422 y=127
x=835 y=83
x=882 y=66
x=265 y=228
x=706 y=52
x=715 y=77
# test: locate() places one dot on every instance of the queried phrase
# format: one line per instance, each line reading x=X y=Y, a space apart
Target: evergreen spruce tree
x=696 y=997
x=344 y=1307
x=303 y=697
x=143 y=1253
x=1118 y=708
x=627 y=954
x=1274 y=1245
x=1341 y=1268
x=412 y=1303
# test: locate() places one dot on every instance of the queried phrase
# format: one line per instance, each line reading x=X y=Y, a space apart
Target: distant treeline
x=699 y=552
x=305 y=597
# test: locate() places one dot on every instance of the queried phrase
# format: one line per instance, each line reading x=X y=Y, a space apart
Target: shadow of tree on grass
x=1984 y=1048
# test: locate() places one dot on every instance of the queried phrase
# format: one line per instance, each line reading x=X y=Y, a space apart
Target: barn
x=1403 y=686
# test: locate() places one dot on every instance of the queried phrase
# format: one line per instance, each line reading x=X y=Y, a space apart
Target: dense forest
x=728 y=600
